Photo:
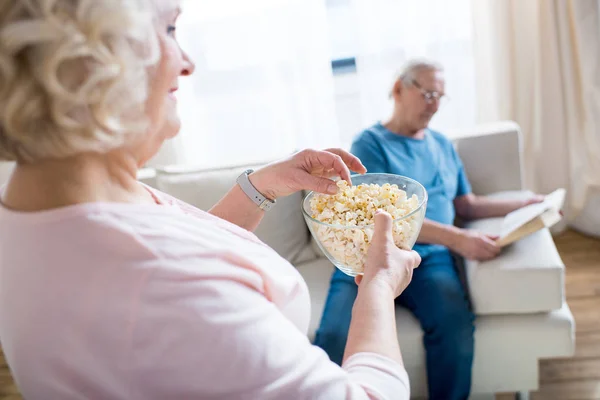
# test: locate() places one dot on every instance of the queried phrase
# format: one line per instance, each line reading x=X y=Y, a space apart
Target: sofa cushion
x=491 y=156
x=527 y=277
x=283 y=227
x=317 y=274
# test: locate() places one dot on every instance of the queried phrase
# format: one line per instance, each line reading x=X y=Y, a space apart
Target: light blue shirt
x=431 y=161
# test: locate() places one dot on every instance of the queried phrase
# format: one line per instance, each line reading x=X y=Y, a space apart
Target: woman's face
x=161 y=105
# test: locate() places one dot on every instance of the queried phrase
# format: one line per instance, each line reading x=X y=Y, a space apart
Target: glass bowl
x=346 y=246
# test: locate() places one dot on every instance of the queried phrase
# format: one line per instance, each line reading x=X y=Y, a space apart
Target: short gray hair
x=409 y=71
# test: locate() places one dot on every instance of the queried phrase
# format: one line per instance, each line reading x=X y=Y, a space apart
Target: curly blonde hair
x=73 y=75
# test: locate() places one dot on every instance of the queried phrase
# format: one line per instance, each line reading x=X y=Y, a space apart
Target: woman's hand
x=388 y=271
x=387 y=265
x=306 y=170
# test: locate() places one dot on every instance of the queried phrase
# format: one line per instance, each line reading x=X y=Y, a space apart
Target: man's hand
x=474 y=245
x=534 y=199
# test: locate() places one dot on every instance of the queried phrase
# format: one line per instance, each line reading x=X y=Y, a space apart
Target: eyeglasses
x=429 y=96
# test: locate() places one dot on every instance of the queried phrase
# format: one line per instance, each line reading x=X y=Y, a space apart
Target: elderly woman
x=112 y=290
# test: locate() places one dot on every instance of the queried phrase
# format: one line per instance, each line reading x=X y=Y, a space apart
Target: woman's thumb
x=383 y=225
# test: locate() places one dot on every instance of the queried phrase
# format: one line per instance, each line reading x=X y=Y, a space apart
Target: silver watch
x=257 y=197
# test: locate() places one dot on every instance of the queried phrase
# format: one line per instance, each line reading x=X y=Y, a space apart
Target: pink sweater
x=123 y=301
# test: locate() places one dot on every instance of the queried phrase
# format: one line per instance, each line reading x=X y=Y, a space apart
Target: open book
x=532 y=218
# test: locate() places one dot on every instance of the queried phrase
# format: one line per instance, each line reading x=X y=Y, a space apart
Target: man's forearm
x=436 y=233
x=484 y=207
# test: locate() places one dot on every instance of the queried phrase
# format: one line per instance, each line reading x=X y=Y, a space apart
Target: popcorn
x=355 y=206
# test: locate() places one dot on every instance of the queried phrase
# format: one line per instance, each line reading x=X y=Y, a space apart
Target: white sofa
x=519 y=299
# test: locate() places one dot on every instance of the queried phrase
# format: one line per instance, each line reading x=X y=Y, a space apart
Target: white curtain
x=538 y=63
x=390 y=32
x=263 y=85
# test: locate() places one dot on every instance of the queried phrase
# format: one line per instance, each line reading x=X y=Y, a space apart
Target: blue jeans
x=439 y=301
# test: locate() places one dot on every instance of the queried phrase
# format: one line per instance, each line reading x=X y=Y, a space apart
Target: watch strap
x=247 y=187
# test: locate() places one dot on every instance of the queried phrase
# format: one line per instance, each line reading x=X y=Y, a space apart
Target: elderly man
x=405 y=145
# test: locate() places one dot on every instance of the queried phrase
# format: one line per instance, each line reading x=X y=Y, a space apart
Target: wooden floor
x=576 y=378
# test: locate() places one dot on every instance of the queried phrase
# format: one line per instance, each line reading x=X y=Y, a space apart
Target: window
x=262 y=86
x=374 y=38
x=343 y=34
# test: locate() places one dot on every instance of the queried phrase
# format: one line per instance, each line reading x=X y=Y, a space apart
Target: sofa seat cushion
x=527 y=277
x=317 y=274
x=283 y=227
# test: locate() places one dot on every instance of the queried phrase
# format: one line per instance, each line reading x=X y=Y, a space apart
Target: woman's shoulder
x=115 y=231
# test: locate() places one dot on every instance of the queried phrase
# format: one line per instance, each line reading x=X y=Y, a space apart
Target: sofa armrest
x=492 y=156
x=147 y=176
x=527 y=277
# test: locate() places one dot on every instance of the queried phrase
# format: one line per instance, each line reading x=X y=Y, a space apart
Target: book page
x=518 y=218
x=556 y=199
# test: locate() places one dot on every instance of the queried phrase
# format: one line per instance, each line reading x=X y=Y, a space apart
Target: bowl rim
x=422 y=202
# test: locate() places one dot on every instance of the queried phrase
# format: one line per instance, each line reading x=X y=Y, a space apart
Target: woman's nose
x=188 y=65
